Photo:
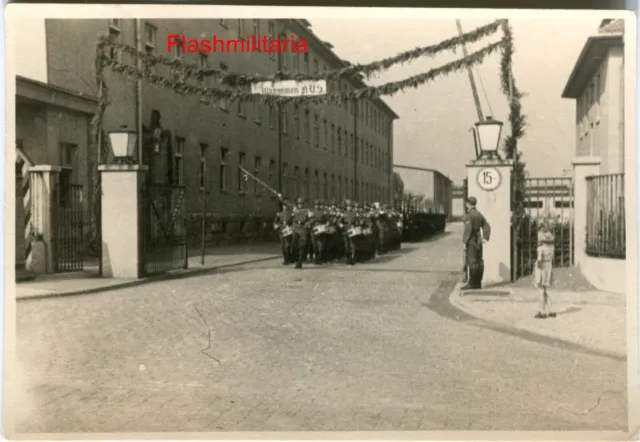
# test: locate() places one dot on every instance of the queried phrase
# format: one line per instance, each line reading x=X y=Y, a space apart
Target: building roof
x=34 y=91
x=422 y=169
x=305 y=26
x=594 y=51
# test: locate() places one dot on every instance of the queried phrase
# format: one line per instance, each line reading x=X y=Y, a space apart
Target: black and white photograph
x=341 y=221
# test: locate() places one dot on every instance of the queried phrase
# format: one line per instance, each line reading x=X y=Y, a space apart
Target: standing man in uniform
x=472 y=241
x=284 y=219
x=349 y=219
x=301 y=218
x=318 y=217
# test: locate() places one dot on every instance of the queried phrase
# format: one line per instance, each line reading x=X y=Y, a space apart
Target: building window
x=272 y=116
x=346 y=99
x=296 y=182
x=296 y=61
x=203 y=166
x=203 y=64
x=257 y=165
x=224 y=104
x=316 y=184
x=351 y=147
x=339 y=188
x=333 y=186
x=241 y=108
x=283 y=117
x=115 y=35
x=256 y=28
x=223 y=169
x=150 y=32
x=315 y=66
x=306 y=182
x=177 y=160
x=272 y=172
x=306 y=63
x=296 y=119
x=333 y=138
x=533 y=204
x=306 y=125
x=257 y=107
x=325 y=137
x=325 y=186
x=242 y=178
x=563 y=204
x=283 y=54
x=272 y=33
x=339 y=142
x=69 y=158
x=285 y=177
x=316 y=130
x=240 y=26
x=597 y=90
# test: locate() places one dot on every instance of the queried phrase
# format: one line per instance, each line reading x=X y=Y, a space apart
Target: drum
x=354 y=231
x=287 y=231
x=367 y=231
x=321 y=229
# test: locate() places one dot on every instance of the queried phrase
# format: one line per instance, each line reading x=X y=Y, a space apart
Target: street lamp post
x=487 y=138
x=123 y=143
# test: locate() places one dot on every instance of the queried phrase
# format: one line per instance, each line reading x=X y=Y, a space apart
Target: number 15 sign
x=489 y=178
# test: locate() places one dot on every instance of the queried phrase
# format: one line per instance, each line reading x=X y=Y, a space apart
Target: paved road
x=269 y=348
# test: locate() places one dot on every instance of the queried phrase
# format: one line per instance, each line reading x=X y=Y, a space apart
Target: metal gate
x=165 y=245
x=67 y=238
x=548 y=203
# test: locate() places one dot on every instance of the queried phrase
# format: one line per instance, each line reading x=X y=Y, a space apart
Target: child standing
x=543 y=272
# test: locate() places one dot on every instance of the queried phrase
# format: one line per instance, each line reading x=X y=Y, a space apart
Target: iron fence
x=548 y=205
x=606 y=216
x=67 y=238
x=165 y=247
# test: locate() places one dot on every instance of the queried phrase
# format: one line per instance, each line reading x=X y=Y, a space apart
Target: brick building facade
x=316 y=151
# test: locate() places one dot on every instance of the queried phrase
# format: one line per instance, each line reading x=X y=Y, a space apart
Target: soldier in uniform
x=301 y=218
x=349 y=219
x=284 y=219
x=318 y=217
x=472 y=240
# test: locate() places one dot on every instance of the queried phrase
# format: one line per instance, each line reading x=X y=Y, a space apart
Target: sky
x=435 y=120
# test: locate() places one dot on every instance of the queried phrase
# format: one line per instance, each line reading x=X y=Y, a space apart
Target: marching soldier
x=319 y=217
x=381 y=224
x=301 y=218
x=349 y=219
x=282 y=221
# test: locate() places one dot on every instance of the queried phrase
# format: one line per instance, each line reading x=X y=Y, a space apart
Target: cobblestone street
x=265 y=347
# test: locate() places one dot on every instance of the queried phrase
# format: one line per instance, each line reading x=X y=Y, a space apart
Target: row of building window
x=369 y=115
x=589 y=106
x=295 y=183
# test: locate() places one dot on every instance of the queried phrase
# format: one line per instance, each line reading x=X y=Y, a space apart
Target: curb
x=176 y=274
x=456 y=301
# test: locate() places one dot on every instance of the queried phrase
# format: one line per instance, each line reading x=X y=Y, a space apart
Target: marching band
x=330 y=232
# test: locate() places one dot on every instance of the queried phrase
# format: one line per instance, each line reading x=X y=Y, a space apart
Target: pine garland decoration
x=238 y=79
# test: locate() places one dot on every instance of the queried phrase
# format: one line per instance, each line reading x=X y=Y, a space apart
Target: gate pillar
x=43 y=179
x=122 y=218
x=489 y=181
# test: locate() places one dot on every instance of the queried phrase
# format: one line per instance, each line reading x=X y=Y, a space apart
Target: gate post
x=122 y=219
x=489 y=181
x=582 y=168
x=43 y=179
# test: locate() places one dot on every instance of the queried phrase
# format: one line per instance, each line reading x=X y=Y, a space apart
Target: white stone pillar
x=42 y=179
x=582 y=168
x=122 y=251
x=489 y=181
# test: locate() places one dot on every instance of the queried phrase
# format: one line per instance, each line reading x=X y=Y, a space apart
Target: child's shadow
x=569 y=311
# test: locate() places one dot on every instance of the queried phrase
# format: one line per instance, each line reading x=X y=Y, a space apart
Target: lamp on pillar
x=123 y=143
x=487 y=138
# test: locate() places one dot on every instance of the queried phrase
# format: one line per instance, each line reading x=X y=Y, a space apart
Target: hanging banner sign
x=290 y=88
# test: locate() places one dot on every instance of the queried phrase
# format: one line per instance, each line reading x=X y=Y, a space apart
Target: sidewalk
x=89 y=281
x=586 y=316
